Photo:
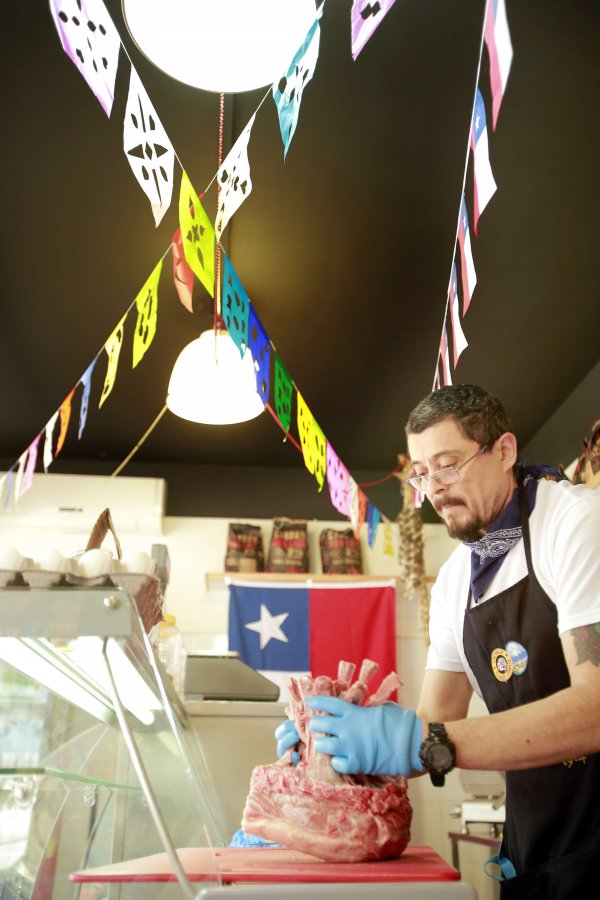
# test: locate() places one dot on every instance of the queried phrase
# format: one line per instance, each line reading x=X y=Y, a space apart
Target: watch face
x=439 y=756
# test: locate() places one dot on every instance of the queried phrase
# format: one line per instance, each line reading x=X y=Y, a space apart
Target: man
x=515 y=615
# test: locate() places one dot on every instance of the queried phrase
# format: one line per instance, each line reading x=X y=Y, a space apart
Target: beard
x=467 y=532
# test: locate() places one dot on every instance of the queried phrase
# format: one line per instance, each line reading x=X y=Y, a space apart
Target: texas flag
x=282 y=630
x=497 y=39
x=467 y=267
x=485 y=186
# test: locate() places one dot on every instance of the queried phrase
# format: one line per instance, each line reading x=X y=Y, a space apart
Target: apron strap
x=499 y=867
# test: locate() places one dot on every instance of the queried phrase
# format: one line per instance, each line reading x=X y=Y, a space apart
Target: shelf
x=72 y=777
x=217 y=581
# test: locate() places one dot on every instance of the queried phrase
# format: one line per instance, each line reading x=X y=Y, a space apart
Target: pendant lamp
x=211 y=383
x=220 y=45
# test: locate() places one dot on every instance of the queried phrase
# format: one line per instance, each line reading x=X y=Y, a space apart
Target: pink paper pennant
x=182 y=274
x=92 y=42
x=338 y=481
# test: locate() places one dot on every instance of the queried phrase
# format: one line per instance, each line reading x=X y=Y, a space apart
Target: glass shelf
x=98 y=761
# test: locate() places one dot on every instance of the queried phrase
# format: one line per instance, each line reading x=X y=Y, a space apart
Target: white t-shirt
x=565 y=548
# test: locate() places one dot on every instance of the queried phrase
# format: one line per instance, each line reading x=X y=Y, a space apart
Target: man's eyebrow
x=417 y=462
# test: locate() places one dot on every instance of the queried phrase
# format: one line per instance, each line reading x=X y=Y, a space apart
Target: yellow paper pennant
x=197 y=235
x=65 y=418
x=314 y=442
x=147 y=310
x=388 y=539
x=113 y=349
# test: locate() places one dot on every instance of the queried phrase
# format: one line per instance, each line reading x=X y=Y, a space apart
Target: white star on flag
x=268 y=626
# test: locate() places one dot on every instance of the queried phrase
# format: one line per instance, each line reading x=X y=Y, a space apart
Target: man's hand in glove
x=372 y=740
x=287 y=737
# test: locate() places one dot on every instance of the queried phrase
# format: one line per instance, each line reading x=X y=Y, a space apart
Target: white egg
x=95 y=563
x=51 y=561
x=10 y=559
x=139 y=563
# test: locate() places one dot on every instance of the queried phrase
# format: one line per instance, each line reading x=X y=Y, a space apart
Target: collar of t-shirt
x=489 y=552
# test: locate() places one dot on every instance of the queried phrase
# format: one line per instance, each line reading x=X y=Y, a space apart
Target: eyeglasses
x=447 y=475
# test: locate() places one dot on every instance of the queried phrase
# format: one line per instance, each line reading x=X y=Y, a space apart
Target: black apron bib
x=552 y=829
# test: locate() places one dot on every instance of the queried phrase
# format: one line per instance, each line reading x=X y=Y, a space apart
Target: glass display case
x=98 y=761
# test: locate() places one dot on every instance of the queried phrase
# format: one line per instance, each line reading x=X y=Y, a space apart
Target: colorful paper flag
x=388 y=539
x=197 y=234
x=365 y=17
x=313 y=441
x=291 y=630
x=20 y=473
x=484 y=184
x=467 y=267
x=182 y=274
x=92 y=42
x=31 y=464
x=148 y=148
x=49 y=435
x=234 y=180
x=65 y=417
x=284 y=390
x=10 y=477
x=338 y=481
x=373 y=519
x=260 y=348
x=498 y=42
x=86 y=383
x=235 y=307
x=113 y=349
x=447 y=378
x=459 y=341
x=287 y=93
x=147 y=315
x=358 y=507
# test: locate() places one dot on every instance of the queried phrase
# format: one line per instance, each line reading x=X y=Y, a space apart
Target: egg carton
x=94 y=567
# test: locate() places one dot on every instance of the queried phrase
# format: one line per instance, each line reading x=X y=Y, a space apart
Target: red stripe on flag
x=353 y=623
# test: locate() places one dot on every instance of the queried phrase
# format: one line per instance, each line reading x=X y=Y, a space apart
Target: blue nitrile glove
x=372 y=740
x=287 y=736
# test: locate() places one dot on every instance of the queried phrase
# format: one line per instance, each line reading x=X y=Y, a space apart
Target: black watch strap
x=429 y=754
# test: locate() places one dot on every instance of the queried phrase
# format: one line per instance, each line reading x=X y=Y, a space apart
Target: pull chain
x=217 y=291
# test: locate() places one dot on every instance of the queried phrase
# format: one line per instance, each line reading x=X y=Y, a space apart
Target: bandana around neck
x=488 y=553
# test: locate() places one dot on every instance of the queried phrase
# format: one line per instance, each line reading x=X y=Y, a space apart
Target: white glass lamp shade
x=212 y=384
x=226 y=46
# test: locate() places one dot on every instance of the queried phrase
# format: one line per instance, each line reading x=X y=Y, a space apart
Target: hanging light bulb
x=220 y=45
x=211 y=383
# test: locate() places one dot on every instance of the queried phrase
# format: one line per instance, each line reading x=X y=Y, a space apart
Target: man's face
x=485 y=485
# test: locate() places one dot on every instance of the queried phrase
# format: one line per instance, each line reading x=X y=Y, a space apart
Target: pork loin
x=312 y=808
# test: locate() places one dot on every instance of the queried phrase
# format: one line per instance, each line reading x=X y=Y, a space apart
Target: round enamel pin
x=502 y=664
x=518 y=655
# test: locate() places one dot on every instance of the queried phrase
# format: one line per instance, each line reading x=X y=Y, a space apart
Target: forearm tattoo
x=587 y=643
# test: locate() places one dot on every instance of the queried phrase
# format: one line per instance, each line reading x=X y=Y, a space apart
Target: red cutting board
x=278 y=865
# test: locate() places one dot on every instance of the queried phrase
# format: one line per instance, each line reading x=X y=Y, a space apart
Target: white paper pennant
x=234 y=180
x=148 y=148
x=48 y=454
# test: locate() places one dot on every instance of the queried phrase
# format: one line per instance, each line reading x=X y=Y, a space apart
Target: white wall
x=197 y=547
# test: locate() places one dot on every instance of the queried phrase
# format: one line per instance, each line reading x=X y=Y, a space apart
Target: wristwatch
x=437 y=753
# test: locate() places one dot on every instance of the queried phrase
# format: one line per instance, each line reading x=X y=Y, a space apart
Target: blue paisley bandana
x=487 y=554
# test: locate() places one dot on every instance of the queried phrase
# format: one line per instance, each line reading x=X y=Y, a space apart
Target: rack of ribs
x=310 y=807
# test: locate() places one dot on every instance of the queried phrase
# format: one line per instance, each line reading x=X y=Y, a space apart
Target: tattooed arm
x=564 y=727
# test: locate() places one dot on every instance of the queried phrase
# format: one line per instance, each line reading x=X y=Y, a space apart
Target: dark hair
x=480 y=416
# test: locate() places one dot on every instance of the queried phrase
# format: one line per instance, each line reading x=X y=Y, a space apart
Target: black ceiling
x=344 y=250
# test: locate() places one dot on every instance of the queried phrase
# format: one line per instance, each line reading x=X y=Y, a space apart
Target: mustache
x=441 y=504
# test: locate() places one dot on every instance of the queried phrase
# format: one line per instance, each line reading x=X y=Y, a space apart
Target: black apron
x=552 y=829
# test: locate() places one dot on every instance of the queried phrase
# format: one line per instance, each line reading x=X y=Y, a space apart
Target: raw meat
x=312 y=808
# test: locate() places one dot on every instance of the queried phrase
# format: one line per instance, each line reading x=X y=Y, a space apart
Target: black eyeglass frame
x=421 y=480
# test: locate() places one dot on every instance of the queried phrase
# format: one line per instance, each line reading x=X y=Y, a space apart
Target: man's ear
x=507 y=445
